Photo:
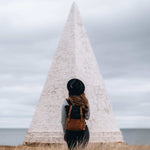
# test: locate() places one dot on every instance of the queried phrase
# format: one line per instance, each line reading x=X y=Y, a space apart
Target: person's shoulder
x=65 y=102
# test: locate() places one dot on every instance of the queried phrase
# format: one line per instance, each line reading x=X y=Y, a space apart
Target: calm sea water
x=131 y=136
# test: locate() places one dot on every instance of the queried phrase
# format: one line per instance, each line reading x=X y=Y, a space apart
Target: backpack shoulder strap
x=69 y=114
x=81 y=113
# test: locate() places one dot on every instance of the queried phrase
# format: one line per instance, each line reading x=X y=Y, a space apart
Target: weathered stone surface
x=74 y=59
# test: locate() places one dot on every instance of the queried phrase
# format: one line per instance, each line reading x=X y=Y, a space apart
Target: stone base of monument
x=62 y=144
x=95 y=137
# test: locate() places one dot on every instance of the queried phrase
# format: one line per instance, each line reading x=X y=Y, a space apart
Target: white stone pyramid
x=74 y=59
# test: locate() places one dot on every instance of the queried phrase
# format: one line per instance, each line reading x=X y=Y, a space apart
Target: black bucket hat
x=75 y=86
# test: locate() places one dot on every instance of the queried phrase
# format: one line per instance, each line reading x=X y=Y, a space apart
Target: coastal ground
x=100 y=146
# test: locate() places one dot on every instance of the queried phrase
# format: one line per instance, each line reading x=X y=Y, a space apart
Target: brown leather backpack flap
x=75 y=124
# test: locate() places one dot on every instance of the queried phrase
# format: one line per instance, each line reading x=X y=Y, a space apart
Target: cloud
x=134 y=122
x=132 y=86
x=119 y=32
x=12 y=122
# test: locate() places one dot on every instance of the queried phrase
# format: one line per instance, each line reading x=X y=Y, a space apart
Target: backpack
x=75 y=117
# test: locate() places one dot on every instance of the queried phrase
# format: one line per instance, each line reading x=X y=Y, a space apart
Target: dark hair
x=75 y=87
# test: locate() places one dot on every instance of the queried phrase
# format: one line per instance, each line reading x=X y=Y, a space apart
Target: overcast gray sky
x=119 y=32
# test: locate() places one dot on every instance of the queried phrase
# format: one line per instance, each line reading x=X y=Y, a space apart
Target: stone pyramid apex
x=74 y=5
x=74 y=15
